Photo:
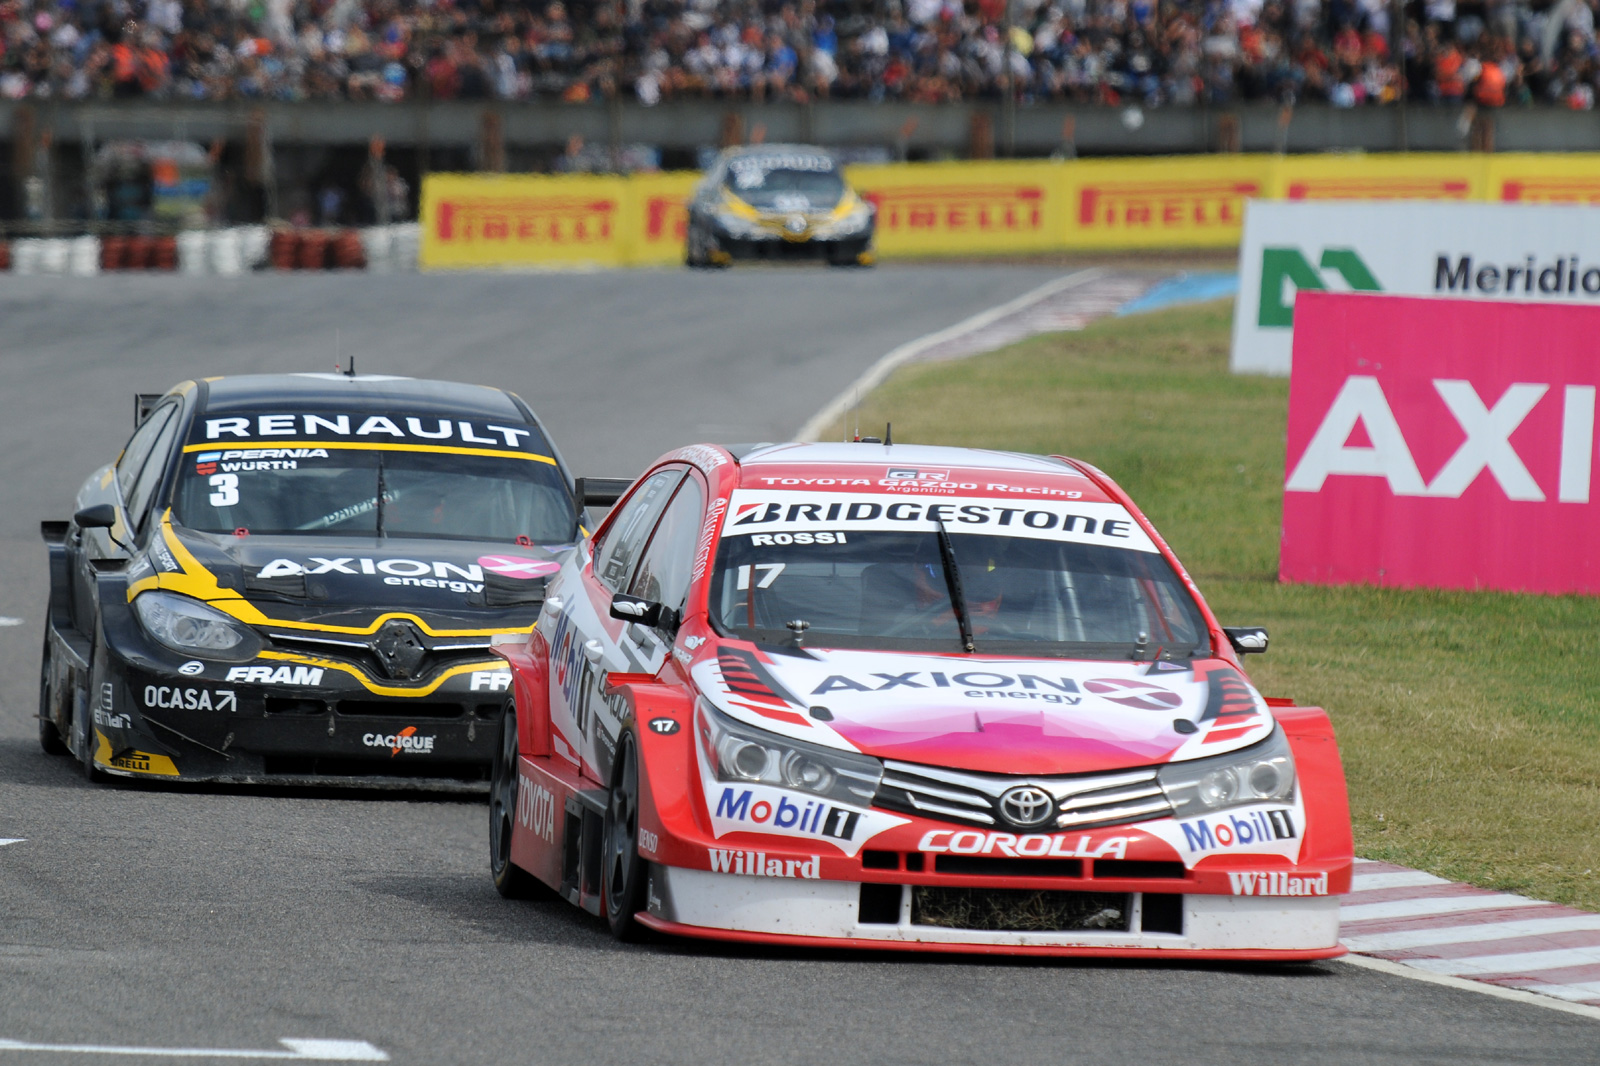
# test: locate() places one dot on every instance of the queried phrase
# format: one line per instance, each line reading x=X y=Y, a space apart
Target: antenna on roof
x=855 y=406
x=888 y=433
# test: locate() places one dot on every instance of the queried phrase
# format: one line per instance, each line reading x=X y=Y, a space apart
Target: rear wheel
x=49 y=736
x=510 y=880
x=622 y=877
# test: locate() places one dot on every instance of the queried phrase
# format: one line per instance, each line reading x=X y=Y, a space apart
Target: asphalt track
x=227 y=919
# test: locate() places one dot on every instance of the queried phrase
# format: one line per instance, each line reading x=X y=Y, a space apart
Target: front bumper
x=819 y=913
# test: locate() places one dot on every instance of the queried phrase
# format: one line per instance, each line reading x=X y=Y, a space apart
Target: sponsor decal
x=1249 y=829
x=517 y=566
x=973 y=684
x=1284 y=267
x=825 y=536
x=407 y=741
x=489 y=681
x=1140 y=695
x=1022 y=845
x=1164 y=205
x=665 y=726
x=1563 y=276
x=900 y=473
x=804 y=817
x=246 y=459
x=434 y=574
x=111 y=721
x=693 y=643
x=192 y=667
x=708 y=536
x=190 y=699
x=536 y=808
x=959 y=209
x=757 y=864
x=279 y=675
x=1276 y=883
x=706 y=458
x=411 y=430
x=648 y=841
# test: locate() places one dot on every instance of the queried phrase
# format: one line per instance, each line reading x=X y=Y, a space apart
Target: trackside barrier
x=222 y=252
x=960 y=208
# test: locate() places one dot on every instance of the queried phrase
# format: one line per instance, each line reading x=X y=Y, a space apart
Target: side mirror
x=645 y=612
x=600 y=491
x=100 y=516
x=1246 y=640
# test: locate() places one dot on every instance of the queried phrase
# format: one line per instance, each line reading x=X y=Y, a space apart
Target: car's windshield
x=890 y=590
x=328 y=490
x=785 y=183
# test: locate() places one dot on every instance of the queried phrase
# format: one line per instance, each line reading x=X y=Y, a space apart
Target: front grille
x=984 y=866
x=340 y=766
x=1082 y=801
x=359 y=652
x=400 y=708
x=1019 y=910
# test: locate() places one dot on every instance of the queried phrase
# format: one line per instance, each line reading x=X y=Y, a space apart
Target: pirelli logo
x=525 y=220
x=666 y=218
x=959 y=209
x=1164 y=205
x=1552 y=191
x=1380 y=189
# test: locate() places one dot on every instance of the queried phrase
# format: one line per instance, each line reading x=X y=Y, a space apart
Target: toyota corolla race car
x=777 y=201
x=296 y=578
x=909 y=697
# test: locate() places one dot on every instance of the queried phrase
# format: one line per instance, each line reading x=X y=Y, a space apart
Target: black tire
x=623 y=873
x=510 y=880
x=49 y=736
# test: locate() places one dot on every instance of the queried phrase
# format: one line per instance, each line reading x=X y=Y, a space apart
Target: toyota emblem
x=1026 y=806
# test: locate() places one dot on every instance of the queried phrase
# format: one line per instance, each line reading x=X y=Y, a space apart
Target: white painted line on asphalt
x=1417 y=908
x=7 y=620
x=874 y=375
x=1400 y=879
x=1520 y=962
x=1516 y=995
x=300 y=1049
x=11 y=840
x=1467 y=934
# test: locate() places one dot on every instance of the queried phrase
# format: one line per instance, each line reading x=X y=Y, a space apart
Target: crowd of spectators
x=1150 y=52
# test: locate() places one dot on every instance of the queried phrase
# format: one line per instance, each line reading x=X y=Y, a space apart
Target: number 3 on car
x=905 y=697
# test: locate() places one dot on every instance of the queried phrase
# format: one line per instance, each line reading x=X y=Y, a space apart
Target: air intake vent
x=1019 y=910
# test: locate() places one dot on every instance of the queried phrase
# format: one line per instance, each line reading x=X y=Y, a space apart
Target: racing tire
x=510 y=880
x=623 y=874
x=49 y=736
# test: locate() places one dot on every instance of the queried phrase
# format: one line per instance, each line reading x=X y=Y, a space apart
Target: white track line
x=1467 y=934
x=1516 y=995
x=1418 y=908
x=1520 y=962
x=1401 y=879
x=886 y=365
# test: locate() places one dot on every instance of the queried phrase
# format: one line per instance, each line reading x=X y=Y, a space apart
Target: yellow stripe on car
x=366 y=446
x=134 y=762
x=387 y=690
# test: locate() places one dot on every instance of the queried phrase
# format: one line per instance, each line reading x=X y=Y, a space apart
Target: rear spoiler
x=600 y=491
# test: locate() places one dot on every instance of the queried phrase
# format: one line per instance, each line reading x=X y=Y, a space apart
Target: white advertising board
x=1486 y=251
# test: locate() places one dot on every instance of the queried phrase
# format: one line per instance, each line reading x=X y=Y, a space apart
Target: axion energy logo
x=1442 y=443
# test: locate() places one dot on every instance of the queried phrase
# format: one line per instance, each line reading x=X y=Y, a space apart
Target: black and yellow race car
x=297 y=579
x=777 y=201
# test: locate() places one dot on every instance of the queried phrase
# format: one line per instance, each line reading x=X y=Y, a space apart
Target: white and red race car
x=896 y=696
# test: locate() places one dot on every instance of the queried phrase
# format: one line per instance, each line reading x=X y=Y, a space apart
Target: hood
x=990 y=715
x=347 y=580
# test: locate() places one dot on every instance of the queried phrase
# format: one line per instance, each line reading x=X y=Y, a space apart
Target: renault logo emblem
x=1026 y=806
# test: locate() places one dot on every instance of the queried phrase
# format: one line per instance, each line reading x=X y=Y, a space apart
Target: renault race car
x=909 y=697
x=297 y=577
x=777 y=201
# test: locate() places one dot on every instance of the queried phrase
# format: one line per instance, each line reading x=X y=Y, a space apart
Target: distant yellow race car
x=778 y=201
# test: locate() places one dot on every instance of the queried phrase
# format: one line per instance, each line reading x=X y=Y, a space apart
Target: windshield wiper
x=952 y=578
x=382 y=491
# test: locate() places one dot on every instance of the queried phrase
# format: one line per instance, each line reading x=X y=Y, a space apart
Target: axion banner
x=1442 y=443
x=1498 y=252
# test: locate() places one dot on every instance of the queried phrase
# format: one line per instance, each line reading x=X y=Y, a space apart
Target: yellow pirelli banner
x=974 y=208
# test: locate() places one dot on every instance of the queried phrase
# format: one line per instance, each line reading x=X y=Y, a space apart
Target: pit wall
x=961 y=208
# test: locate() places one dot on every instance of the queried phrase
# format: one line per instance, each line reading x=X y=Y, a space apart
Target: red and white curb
x=1457 y=932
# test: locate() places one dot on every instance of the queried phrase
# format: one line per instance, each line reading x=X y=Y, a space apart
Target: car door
x=586 y=643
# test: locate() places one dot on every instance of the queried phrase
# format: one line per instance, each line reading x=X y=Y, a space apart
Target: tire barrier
x=229 y=252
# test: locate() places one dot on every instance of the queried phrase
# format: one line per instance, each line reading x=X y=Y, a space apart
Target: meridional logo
x=1026 y=806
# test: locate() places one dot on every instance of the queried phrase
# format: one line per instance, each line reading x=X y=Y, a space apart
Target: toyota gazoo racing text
x=900 y=696
x=777 y=201
x=298 y=577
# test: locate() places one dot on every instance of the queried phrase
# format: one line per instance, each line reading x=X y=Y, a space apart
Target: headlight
x=189 y=626
x=738 y=752
x=1260 y=774
x=854 y=222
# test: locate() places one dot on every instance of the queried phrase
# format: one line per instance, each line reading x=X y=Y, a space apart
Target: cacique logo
x=1280 y=265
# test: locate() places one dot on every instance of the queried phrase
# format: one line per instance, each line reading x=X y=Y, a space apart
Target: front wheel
x=49 y=736
x=622 y=877
x=510 y=880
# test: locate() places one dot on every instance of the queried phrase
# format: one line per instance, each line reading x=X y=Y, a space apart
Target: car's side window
x=614 y=559
x=139 y=445
x=144 y=489
x=667 y=564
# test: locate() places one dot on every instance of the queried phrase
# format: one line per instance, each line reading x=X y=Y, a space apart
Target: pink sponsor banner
x=1442 y=443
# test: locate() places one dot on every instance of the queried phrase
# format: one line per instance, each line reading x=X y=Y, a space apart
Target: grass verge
x=1469 y=722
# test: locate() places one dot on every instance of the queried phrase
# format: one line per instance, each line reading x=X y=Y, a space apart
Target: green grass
x=1469 y=722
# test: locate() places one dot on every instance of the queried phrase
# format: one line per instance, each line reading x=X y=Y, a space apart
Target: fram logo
x=1360 y=436
x=1281 y=267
